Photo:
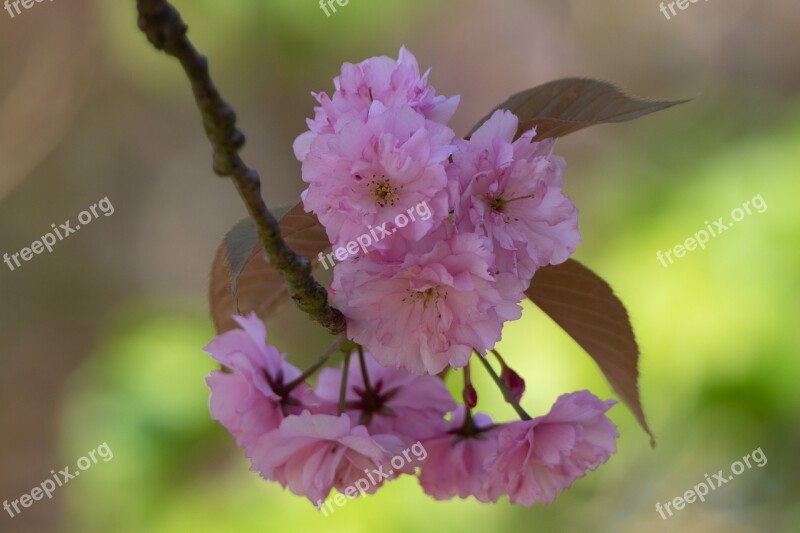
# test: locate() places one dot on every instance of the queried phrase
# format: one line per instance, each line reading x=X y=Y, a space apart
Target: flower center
x=382 y=191
x=427 y=296
x=372 y=402
x=498 y=203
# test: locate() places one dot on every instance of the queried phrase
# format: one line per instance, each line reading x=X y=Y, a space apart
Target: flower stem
x=343 y=386
x=506 y=393
x=313 y=368
x=499 y=357
x=364 y=373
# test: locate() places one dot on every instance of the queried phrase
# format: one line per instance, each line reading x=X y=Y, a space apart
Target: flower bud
x=470 y=396
x=513 y=381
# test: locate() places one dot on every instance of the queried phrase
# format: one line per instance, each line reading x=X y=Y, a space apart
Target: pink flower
x=537 y=459
x=403 y=404
x=432 y=309
x=377 y=79
x=310 y=454
x=245 y=401
x=456 y=464
x=246 y=413
x=364 y=176
x=510 y=191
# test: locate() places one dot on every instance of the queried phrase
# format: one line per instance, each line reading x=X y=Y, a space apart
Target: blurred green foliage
x=718 y=332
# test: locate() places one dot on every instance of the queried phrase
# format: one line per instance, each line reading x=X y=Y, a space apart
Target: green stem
x=343 y=386
x=502 y=386
x=364 y=373
x=313 y=368
x=499 y=357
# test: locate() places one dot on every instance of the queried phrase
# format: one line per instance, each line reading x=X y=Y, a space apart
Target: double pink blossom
x=292 y=436
x=538 y=459
x=367 y=174
x=430 y=311
x=529 y=461
x=392 y=83
x=311 y=454
x=511 y=192
x=457 y=463
x=246 y=399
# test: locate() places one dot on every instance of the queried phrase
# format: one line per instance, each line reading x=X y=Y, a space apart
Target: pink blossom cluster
x=442 y=287
x=418 y=302
x=312 y=440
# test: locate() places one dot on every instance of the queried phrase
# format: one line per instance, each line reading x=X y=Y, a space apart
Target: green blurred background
x=101 y=340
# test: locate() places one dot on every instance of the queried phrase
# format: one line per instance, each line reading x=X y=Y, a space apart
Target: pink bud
x=470 y=396
x=513 y=381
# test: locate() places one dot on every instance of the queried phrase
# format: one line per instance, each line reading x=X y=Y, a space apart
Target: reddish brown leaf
x=258 y=287
x=586 y=308
x=566 y=106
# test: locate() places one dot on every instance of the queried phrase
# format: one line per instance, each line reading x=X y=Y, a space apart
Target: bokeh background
x=101 y=340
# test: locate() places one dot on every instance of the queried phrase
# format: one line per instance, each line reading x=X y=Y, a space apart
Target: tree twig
x=164 y=28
